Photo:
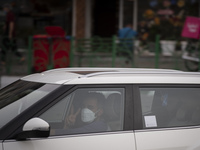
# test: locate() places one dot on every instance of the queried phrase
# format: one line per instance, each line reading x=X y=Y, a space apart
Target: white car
x=102 y=109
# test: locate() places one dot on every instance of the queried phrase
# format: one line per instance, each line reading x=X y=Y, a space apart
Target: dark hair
x=98 y=96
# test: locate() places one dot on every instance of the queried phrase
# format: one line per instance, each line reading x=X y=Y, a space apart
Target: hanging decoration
x=181 y=3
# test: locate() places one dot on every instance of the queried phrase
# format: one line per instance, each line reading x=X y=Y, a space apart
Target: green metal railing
x=97 y=48
x=30 y=54
x=88 y=50
x=108 y=52
x=157 y=51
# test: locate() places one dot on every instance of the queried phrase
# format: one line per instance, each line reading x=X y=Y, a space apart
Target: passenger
x=90 y=114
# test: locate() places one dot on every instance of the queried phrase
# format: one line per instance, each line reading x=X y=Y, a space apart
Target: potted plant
x=168 y=38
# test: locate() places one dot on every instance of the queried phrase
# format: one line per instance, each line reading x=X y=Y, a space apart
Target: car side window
x=87 y=110
x=170 y=107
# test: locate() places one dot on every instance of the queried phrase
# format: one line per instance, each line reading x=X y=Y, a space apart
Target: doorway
x=105 y=18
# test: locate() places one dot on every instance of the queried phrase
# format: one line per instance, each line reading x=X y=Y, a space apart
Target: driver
x=90 y=114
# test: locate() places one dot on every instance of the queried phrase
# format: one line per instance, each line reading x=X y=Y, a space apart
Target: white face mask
x=87 y=115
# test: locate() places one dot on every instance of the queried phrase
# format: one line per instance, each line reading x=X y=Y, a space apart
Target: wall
x=80 y=18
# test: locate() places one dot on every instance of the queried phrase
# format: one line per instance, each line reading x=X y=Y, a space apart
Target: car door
x=170 y=118
x=110 y=129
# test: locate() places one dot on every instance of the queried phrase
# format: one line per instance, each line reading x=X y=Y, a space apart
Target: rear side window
x=87 y=110
x=170 y=107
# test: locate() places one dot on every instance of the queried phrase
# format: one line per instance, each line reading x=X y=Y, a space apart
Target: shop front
x=164 y=17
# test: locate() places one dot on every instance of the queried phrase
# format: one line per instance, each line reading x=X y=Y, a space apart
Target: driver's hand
x=71 y=119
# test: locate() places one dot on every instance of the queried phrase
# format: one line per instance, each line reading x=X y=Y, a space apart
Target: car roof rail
x=138 y=72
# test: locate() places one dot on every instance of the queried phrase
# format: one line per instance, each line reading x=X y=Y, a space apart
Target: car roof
x=114 y=76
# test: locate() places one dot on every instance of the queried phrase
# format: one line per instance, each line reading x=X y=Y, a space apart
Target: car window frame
x=138 y=110
x=15 y=126
x=66 y=90
x=128 y=114
x=96 y=87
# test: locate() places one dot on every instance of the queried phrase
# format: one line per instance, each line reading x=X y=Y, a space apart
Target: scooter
x=191 y=56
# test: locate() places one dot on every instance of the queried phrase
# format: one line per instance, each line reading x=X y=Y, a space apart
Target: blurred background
x=84 y=33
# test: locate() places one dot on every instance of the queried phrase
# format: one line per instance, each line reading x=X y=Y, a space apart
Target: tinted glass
x=87 y=111
x=19 y=96
x=170 y=107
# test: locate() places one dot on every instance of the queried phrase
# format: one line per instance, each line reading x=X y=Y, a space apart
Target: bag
x=191 y=28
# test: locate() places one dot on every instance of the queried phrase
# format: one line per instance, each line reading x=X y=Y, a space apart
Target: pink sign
x=191 y=28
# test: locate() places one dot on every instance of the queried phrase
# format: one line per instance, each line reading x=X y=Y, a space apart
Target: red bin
x=51 y=50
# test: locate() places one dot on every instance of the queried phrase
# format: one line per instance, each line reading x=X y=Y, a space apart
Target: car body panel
x=1 y=145
x=117 y=141
x=139 y=79
x=133 y=135
x=114 y=76
x=169 y=139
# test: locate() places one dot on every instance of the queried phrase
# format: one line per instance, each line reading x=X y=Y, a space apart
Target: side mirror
x=34 y=128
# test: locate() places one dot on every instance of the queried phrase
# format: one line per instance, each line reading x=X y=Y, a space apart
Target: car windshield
x=19 y=96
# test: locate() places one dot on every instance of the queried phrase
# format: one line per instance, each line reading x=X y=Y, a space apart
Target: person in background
x=8 y=39
x=126 y=36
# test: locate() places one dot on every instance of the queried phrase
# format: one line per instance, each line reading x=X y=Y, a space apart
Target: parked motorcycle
x=191 y=56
